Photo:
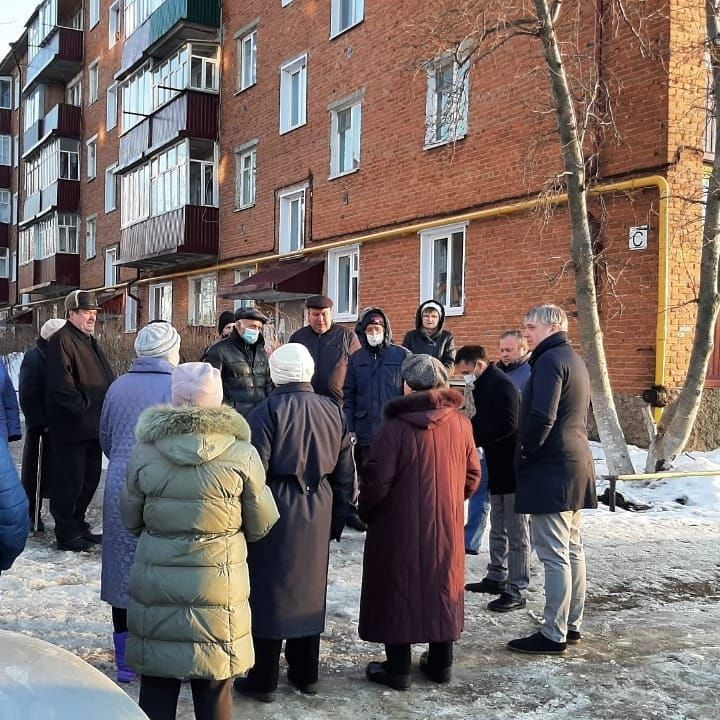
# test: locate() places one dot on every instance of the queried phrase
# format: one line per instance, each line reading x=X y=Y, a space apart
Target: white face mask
x=375 y=340
x=469 y=379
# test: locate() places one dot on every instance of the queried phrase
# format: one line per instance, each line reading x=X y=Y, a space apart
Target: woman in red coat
x=421 y=467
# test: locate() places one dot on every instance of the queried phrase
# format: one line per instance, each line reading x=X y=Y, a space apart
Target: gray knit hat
x=157 y=339
x=424 y=372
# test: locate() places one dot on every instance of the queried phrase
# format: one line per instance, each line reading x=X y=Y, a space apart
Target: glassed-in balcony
x=58 y=60
x=62 y=121
x=52 y=275
x=172 y=24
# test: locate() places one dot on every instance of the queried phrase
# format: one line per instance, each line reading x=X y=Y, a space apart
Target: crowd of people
x=228 y=479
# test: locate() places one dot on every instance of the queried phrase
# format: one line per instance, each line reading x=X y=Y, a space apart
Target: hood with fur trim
x=426 y=408
x=189 y=435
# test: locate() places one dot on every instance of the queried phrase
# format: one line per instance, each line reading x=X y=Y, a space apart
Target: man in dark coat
x=305 y=449
x=37 y=457
x=78 y=376
x=514 y=358
x=330 y=346
x=497 y=407
x=421 y=467
x=555 y=475
x=242 y=361
x=429 y=337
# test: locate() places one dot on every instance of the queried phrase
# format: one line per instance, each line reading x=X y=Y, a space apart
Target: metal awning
x=285 y=280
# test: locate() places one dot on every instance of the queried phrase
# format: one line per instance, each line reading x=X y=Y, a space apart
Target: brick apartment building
x=186 y=156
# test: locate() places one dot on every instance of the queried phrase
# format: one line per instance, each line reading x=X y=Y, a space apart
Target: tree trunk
x=677 y=422
x=591 y=337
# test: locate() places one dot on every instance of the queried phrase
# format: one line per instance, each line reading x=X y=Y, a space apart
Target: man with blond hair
x=555 y=475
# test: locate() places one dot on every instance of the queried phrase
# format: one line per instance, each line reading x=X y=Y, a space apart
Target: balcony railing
x=51 y=275
x=5 y=177
x=62 y=121
x=5 y=121
x=179 y=238
x=59 y=60
x=173 y=23
x=4 y=235
x=4 y=291
x=191 y=114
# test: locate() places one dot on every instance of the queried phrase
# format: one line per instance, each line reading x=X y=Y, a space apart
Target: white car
x=41 y=680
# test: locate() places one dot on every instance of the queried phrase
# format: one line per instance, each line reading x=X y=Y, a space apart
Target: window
x=33 y=107
x=135 y=197
x=76 y=22
x=167 y=180
x=5 y=207
x=67 y=238
x=5 y=150
x=110 y=188
x=160 y=302
x=92 y=158
x=245 y=170
x=192 y=66
x=14 y=219
x=285 y=3
x=16 y=99
x=42 y=25
x=6 y=92
x=136 y=97
x=293 y=94
x=111 y=269
x=93 y=82
x=13 y=267
x=91 y=237
x=442 y=267
x=94 y=14
x=202 y=173
x=343 y=274
x=345 y=140
x=240 y=275
x=4 y=263
x=345 y=14
x=114 y=19
x=56 y=233
x=137 y=12
x=111 y=107
x=204 y=73
x=16 y=150
x=246 y=47
x=58 y=160
x=203 y=295
x=73 y=95
x=447 y=101
x=292 y=220
x=131 y=313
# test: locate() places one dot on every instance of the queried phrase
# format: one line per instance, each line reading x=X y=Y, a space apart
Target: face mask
x=375 y=340
x=469 y=379
x=250 y=336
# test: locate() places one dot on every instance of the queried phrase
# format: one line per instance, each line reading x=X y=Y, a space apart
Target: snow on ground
x=651 y=640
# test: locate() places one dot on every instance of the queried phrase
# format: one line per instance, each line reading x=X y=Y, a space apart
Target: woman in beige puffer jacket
x=195 y=494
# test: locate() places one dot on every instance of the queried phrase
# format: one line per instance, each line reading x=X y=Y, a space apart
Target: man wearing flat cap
x=242 y=361
x=330 y=347
x=78 y=376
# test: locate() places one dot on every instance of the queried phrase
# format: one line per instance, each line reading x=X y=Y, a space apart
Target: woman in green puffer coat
x=195 y=494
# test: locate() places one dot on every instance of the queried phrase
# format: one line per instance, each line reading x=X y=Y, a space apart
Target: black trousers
x=302 y=655
x=37 y=465
x=212 y=699
x=398 y=657
x=77 y=476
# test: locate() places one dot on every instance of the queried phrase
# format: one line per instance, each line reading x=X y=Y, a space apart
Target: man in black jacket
x=78 y=376
x=555 y=474
x=497 y=406
x=37 y=459
x=242 y=361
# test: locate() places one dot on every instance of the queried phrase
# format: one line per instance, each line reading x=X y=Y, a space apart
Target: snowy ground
x=651 y=645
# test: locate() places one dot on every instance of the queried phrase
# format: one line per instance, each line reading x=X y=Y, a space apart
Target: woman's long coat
x=195 y=493
x=147 y=383
x=306 y=451
x=422 y=466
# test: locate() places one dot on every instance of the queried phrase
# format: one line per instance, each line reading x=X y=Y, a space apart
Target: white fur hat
x=197 y=383
x=50 y=327
x=291 y=363
x=157 y=339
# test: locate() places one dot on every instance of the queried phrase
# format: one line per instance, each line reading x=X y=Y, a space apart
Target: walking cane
x=38 y=490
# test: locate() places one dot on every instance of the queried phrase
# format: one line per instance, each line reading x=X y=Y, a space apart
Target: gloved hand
x=336 y=529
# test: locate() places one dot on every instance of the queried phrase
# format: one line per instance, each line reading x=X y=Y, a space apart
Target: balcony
x=5 y=121
x=62 y=195
x=62 y=121
x=4 y=291
x=171 y=25
x=53 y=275
x=5 y=177
x=59 y=60
x=180 y=238
x=191 y=114
x=4 y=235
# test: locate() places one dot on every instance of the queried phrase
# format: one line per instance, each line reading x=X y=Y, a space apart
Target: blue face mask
x=250 y=336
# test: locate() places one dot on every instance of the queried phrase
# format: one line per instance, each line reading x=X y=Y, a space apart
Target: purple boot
x=124 y=673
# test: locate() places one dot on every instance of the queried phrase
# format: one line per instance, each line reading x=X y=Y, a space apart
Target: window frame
x=73 y=87
x=427 y=265
x=239 y=275
x=91 y=158
x=7 y=204
x=115 y=15
x=286 y=197
x=131 y=313
x=94 y=82
x=354 y=106
x=6 y=148
x=333 y=289
x=287 y=71
x=194 y=320
x=4 y=263
x=336 y=7
x=111 y=169
x=90 y=222
x=249 y=150
x=249 y=35
x=93 y=13
x=460 y=104
x=6 y=80
x=114 y=270
x=111 y=107
x=164 y=304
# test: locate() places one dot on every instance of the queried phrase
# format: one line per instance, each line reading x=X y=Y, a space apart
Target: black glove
x=336 y=529
x=13 y=438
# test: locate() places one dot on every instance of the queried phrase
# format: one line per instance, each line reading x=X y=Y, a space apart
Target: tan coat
x=195 y=493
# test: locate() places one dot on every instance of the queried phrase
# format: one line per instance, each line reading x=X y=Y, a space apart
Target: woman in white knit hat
x=148 y=382
x=195 y=494
x=302 y=443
